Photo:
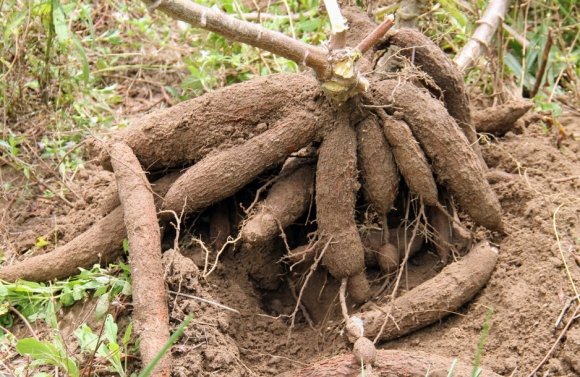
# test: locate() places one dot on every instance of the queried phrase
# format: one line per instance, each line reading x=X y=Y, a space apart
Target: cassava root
x=287 y=200
x=218 y=176
x=150 y=310
x=458 y=282
x=336 y=188
x=101 y=243
x=455 y=164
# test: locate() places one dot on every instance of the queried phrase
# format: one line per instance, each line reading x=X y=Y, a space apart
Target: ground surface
x=527 y=291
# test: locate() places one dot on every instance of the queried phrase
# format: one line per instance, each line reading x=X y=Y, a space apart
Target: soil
x=529 y=288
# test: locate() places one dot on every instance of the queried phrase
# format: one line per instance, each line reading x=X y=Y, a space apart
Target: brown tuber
x=287 y=200
x=455 y=164
x=365 y=349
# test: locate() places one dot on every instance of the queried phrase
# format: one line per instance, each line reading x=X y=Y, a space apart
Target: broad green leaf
x=67 y=298
x=102 y=306
x=60 y=24
x=100 y=291
x=37 y=349
x=127 y=288
x=78 y=293
x=110 y=329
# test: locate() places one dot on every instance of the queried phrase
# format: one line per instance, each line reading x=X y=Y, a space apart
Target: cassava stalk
x=479 y=42
x=244 y=32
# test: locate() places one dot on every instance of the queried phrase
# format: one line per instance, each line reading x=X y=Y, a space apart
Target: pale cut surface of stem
x=244 y=32
x=479 y=42
x=337 y=23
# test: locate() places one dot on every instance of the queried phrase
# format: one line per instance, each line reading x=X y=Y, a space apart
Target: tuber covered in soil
x=102 y=243
x=287 y=200
x=150 y=311
x=501 y=119
x=455 y=164
x=220 y=175
x=336 y=188
x=423 y=305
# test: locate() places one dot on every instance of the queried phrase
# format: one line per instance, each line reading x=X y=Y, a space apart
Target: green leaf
x=127 y=335
x=127 y=288
x=100 y=291
x=102 y=306
x=6 y=320
x=67 y=298
x=4 y=308
x=126 y=246
x=59 y=21
x=37 y=349
x=10 y=28
x=78 y=293
x=110 y=329
x=81 y=51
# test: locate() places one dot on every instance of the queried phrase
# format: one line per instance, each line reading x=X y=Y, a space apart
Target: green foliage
x=36 y=300
x=217 y=62
x=476 y=369
x=106 y=346
x=52 y=351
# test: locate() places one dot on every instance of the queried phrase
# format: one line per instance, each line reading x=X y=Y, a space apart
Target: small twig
x=543 y=64
x=566 y=179
x=204 y=300
x=562 y=333
x=371 y=39
x=15 y=311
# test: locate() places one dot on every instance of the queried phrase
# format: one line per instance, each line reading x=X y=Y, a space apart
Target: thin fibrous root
x=455 y=164
x=434 y=299
x=149 y=296
x=221 y=175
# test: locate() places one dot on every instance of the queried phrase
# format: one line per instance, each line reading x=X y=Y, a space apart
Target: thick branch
x=478 y=44
x=244 y=32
